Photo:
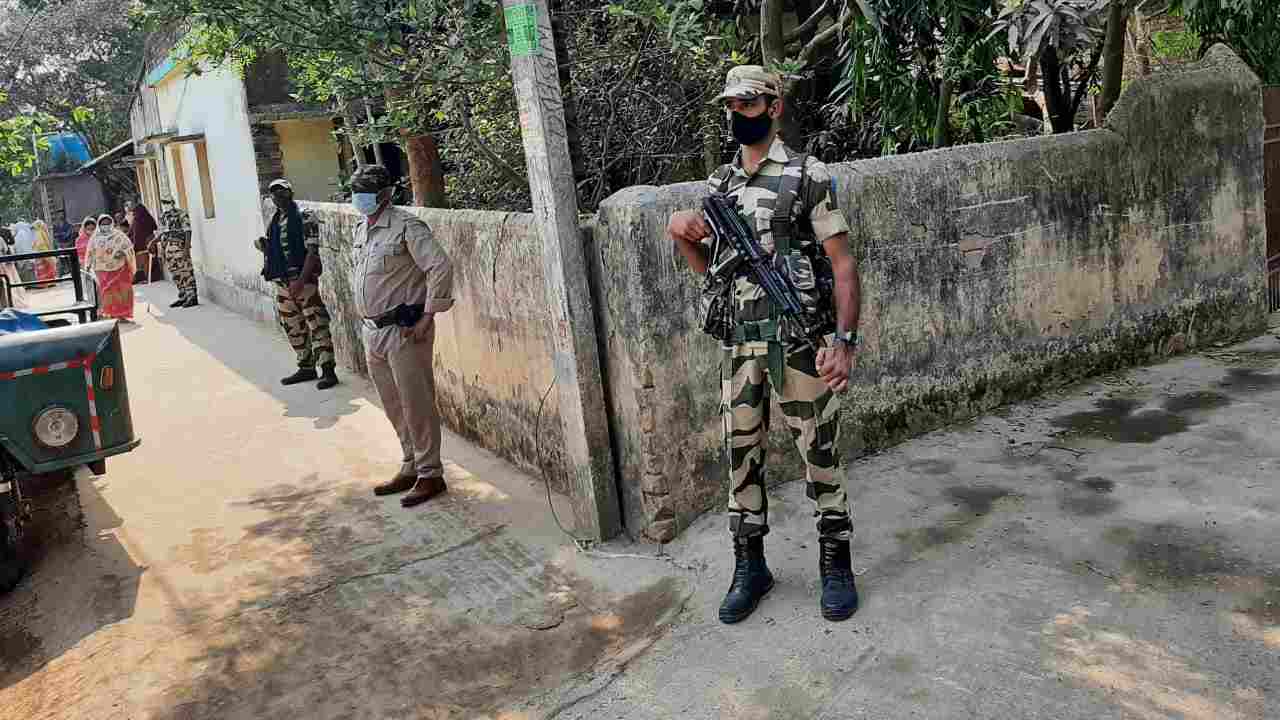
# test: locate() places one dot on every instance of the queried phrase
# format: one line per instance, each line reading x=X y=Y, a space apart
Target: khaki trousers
x=402 y=373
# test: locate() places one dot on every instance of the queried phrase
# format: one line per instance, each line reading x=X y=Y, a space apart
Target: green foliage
x=1250 y=27
x=1069 y=27
x=1175 y=45
x=893 y=61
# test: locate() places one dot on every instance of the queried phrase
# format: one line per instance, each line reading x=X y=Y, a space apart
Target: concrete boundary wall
x=990 y=273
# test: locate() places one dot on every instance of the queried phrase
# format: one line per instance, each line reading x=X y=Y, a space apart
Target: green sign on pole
x=522 y=29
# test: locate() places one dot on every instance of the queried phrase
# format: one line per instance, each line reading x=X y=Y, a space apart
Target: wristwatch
x=848 y=338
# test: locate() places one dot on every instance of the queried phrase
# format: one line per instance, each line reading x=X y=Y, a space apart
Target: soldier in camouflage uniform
x=291 y=251
x=786 y=197
x=174 y=241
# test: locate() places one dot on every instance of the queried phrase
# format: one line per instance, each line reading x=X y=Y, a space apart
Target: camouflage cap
x=749 y=81
x=280 y=184
x=370 y=178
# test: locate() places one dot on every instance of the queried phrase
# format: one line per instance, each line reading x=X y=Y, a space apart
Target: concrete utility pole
x=555 y=207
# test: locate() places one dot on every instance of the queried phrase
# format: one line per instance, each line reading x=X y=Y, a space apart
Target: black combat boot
x=194 y=301
x=304 y=374
x=180 y=302
x=328 y=378
x=751 y=580
x=839 y=594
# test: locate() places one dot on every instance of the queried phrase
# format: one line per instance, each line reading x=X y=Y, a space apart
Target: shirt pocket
x=392 y=257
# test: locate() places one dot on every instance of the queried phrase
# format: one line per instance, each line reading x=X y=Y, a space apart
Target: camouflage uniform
x=303 y=316
x=174 y=239
x=756 y=361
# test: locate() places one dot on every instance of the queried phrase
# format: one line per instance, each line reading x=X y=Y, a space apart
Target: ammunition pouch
x=814 y=282
x=717 y=309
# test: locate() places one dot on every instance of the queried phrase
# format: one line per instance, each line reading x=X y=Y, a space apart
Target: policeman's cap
x=371 y=178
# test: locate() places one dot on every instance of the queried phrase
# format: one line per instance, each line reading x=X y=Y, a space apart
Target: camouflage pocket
x=800 y=271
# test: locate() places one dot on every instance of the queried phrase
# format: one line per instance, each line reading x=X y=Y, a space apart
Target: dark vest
x=284 y=261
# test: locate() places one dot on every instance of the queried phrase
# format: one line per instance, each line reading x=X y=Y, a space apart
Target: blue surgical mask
x=365 y=203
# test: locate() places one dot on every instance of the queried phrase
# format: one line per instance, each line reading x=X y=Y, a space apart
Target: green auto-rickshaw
x=65 y=403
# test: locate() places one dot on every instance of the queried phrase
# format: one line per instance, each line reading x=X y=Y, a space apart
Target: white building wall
x=227 y=264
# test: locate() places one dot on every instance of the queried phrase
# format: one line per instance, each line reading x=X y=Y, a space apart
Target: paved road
x=1112 y=551
x=238 y=566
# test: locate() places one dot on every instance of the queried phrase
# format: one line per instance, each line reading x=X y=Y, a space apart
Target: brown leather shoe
x=398 y=484
x=424 y=490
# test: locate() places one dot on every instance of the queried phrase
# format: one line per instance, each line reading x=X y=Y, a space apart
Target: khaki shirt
x=399 y=261
x=814 y=214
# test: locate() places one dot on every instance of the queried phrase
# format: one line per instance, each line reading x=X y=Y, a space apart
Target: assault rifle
x=735 y=244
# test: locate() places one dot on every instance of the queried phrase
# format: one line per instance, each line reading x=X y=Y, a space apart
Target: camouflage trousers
x=305 y=320
x=177 y=263
x=810 y=410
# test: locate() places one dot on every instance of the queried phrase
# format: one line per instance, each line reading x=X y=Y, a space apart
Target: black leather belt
x=402 y=315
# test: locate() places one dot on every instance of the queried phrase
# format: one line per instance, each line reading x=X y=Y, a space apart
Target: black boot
x=839 y=594
x=328 y=378
x=304 y=374
x=194 y=301
x=751 y=580
x=180 y=302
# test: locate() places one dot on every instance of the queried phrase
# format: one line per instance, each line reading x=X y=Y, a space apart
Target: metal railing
x=85 y=308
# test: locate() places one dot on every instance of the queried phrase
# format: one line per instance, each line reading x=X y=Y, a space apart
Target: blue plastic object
x=67 y=150
x=15 y=321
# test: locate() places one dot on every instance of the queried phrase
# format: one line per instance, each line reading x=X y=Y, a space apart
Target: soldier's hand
x=688 y=226
x=421 y=330
x=261 y=244
x=834 y=365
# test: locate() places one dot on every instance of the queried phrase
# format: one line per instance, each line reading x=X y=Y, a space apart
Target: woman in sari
x=87 y=229
x=142 y=228
x=46 y=268
x=112 y=260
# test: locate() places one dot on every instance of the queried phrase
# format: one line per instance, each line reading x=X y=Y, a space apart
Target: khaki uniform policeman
x=787 y=200
x=397 y=265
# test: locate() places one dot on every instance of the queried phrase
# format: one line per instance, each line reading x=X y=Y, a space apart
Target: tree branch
x=1083 y=88
x=822 y=38
x=807 y=27
x=464 y=112
x=773 y=47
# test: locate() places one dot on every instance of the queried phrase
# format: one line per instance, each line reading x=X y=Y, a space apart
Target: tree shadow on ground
x=348 y=608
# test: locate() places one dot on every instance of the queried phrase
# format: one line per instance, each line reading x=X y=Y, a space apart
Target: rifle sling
x=782 y=229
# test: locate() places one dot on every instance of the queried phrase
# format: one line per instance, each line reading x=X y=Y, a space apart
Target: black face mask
x=749 y=130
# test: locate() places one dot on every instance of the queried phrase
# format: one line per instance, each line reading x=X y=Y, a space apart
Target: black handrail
x=76 y=278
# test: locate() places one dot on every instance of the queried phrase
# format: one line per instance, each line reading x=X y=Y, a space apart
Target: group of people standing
x=119 y=250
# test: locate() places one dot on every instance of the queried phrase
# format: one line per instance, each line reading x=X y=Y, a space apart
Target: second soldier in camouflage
x=786 y=198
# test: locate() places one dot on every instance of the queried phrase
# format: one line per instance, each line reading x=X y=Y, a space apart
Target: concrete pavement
x=1108 y=551
x=237 y=565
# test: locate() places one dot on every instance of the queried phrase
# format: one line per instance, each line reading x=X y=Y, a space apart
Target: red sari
x=112 y=260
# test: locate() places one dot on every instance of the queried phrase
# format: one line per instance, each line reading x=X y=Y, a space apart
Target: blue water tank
x=67 y=151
